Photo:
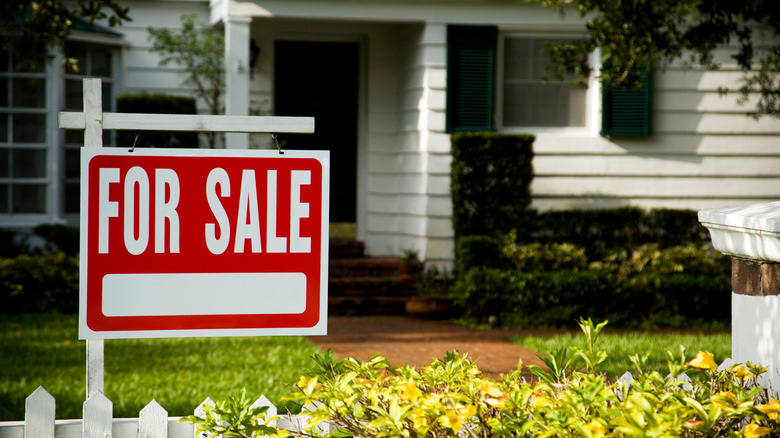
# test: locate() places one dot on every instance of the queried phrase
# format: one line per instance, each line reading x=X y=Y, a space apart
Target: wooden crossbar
x=192 y=122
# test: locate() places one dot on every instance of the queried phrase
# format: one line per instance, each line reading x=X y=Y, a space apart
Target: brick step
x=345 y=248
x=370 y=286
x=363 y=267
x=374 y=305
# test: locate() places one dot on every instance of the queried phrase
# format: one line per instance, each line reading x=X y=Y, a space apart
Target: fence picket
x=39 y=414
x=153 y=421
x=98 y=417
x=201 y=413
x=271 y=412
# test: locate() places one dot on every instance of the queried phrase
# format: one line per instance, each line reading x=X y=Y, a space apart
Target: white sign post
x=198 y=242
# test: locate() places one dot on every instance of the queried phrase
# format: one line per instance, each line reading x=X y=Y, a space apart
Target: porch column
x=751 y=234
x=237 y=76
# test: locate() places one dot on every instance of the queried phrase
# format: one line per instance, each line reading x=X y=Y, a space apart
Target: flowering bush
x=451 y=397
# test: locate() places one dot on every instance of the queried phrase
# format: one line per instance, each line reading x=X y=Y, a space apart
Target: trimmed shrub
x=600 y=232
x=58 y=237
x=546 y=257
x=39 y=282
x=490 y=183
x=156 y=104
x=557 y=299
x=480 y=252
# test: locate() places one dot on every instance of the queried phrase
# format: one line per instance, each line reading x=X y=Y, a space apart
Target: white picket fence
x=98 y=422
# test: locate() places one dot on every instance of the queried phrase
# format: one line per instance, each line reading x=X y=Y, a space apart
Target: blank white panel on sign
x=204 y=294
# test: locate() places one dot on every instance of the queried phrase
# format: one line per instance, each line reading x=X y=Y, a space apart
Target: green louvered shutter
x=471 y=60
x=627 y=111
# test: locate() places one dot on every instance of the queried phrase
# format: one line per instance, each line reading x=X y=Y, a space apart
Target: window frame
x=592 y=125
x=46 y=180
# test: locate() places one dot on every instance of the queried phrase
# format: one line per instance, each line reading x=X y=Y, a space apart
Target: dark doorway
x=320 y=79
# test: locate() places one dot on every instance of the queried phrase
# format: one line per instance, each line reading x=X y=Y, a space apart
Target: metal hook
x=132 y=149
x=278 y=148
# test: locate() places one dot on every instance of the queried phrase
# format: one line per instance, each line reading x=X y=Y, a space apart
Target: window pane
x=4 y=83
x=4 y=162
x=29 y=93
x=31 y=64
x=79 y=53
x=73 y=136
x=3 y=61
x=527 y=99
x=516 y=49
x=72 y=163
x=74 y=95
x=107 y=98
x=4 y=128
x=29 y=128
x=29 y=198
x=29 y=163
x=4 y=198
x=72 y=198
x=101 y=62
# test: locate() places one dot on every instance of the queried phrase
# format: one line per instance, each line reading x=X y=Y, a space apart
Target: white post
x=237 y=75
x=93 y=137
x=751 y=234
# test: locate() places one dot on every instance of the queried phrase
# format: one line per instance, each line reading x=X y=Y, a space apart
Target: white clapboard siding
x=659 y=165
x=656 y=187
x=98 y=422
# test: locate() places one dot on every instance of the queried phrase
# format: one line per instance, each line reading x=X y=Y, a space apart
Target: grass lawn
x=620 y=345
x=42 y=349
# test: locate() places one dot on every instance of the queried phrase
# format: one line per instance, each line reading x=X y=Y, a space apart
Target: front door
x=320 y=79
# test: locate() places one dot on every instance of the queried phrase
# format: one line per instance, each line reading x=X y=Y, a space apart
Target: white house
x=387 y=81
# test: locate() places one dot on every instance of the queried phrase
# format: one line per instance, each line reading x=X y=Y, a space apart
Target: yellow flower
x=419 y=419
x=450 y=419
x=410 y=392
x=304 y=383
x=724 y=400
x=467 y=411
x=491 y=390
x=771 y=410
x=597 y=430
x=753 y=430
x=703 y=361
x=542 y=400
x=742 y=373
x=494 y=402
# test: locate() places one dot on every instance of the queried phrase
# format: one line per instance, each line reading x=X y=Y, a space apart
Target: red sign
x=195 y=242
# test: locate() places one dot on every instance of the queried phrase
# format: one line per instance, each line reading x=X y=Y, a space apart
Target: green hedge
x=156 y=104
x=39 y=282
x=557 y=299
x=600 y=231
x=490 y=182
x=552 y=285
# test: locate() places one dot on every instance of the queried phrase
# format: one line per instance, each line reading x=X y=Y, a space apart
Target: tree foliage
x=31 y=26
x=631 y=33
x=199 y=50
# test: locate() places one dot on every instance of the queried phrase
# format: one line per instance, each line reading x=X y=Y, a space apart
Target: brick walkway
x=404 y=339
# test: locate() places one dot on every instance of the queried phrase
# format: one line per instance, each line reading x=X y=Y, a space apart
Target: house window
x=530 y=101
x=94 y=60
x=23 y=138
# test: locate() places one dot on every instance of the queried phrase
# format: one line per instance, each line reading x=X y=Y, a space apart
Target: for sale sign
x=195 y=242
